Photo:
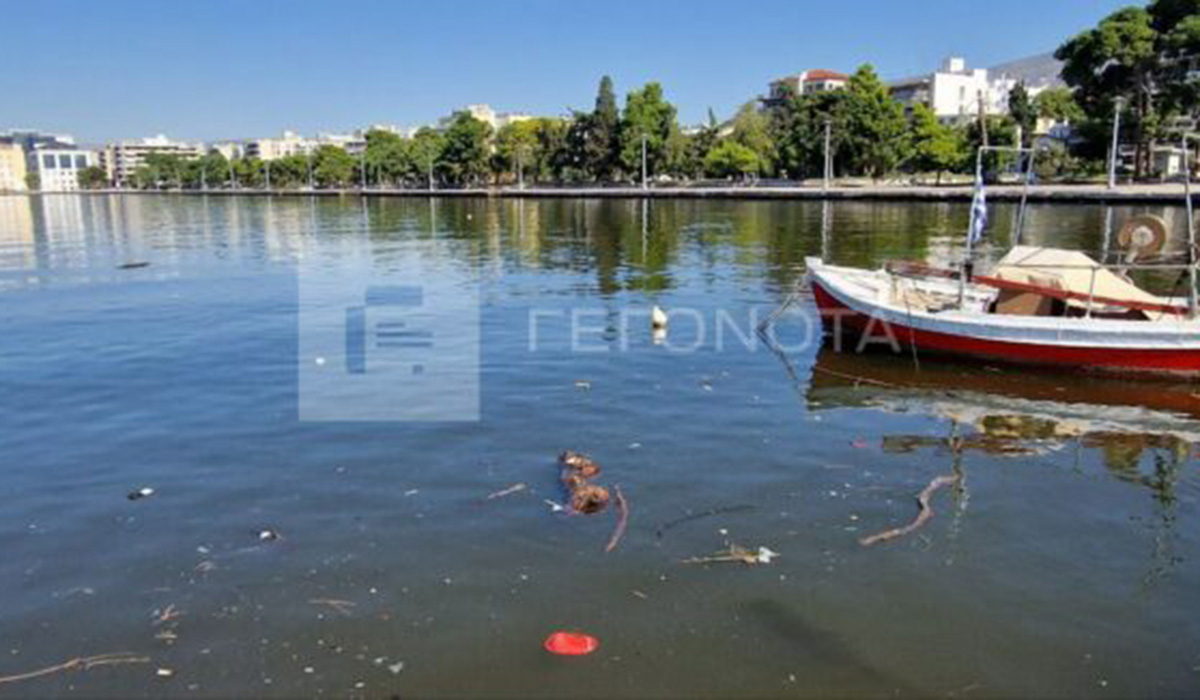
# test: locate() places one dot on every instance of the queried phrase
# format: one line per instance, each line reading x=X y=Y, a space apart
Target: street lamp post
x=1112 y=154
x=362 y=160
x=828 y=174
x=645 y=182
x=267 y=167
x=310 y=171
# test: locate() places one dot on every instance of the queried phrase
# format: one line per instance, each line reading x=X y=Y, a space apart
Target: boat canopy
x=1071 y=272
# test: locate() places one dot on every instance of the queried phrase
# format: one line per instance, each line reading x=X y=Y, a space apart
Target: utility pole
x=308 y=152
x=267 y=167
x=1112 y=154
x=362 y=160
x=828 y=175
x=431 y=172
x=520 y=170
x=645 y=182
x=983 y=125
x=203 y=176
x=232 y=176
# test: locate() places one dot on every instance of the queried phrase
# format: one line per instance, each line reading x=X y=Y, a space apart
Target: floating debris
x=622 y=521
x=269 y=535
x=165 y=673
x=583 y=385
x=345 y=607
x=577 y=470
x=554 y=507
x=133 y=265
x=144 y=492
x=515 y=488
x=396 y=668
x=659 y=318
x=79 y=663
x=571 y=644
x=737 y=555
x=924 y=514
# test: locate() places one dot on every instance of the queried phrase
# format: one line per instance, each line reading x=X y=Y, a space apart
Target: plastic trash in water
x=571 y=644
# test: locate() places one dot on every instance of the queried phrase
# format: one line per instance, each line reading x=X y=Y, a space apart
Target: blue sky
x=208 y=69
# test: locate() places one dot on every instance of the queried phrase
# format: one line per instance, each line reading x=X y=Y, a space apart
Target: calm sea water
x=1066 y=564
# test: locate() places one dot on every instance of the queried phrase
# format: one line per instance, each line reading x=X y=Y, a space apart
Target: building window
x=81 y=162
x=64 y=162
x=48 y=161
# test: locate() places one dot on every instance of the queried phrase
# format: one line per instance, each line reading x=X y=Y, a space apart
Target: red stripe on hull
x=880 y=334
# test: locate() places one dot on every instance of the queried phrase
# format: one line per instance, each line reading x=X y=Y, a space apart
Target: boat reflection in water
x=1144 y=432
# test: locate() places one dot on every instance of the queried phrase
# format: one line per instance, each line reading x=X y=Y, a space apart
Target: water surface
x=1066 y=563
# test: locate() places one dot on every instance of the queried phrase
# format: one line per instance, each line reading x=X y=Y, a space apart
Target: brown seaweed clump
x=577 y=471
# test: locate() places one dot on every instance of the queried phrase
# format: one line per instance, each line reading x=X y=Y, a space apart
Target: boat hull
x=870 y=332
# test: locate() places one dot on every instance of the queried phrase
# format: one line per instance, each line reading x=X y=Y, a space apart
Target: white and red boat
x=1042 y=306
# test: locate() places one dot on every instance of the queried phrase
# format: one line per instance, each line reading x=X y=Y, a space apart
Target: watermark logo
x=394 y=342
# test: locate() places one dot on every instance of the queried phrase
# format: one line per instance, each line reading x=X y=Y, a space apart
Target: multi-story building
x=30 y=139
x=229 y=149
x=956 y=93
x=809 y=82
x=12 y=168
x=122 y=159
x=487 y=115
x=288 y=144
x=58 y=168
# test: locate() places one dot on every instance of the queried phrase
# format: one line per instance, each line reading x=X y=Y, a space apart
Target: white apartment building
x=121 y=160
x=58 y=168
x=955 y=93
x=292 y=144
x=487 y=115
x=272 y=148
x=12 y=168
x=229 y=149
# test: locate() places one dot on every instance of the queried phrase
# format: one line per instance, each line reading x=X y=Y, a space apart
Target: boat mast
x=1191 y=227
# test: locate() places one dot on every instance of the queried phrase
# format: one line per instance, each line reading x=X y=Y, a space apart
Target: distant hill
x=1042 y=70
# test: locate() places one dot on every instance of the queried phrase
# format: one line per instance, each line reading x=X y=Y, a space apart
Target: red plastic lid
x=571 y=644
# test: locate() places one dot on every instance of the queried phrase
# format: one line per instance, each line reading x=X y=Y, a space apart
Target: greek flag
x=979 y=213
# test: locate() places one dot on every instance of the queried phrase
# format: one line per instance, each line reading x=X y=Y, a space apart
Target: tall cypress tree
x=603 y=145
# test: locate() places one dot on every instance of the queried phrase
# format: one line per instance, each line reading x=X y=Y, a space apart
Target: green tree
x=699 y=144
x=936 y=146
x=464 y=159
x=212 y=169
x=33 y=181
x=424 y=153
x=1023 y=112
x=518 y=148
x=92 y=177
x=289 y=171
x=386 y=157
x=602 y=145
x=751 y=128
x=1058 y=104
x=877 y=128
x=333 y=167
x=798 y=128
x=732 y=159
x=649 y=116
x=1118 y=60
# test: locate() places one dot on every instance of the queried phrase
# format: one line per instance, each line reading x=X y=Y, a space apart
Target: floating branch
x=80 y=663
x=622 y=520
x=926 y=512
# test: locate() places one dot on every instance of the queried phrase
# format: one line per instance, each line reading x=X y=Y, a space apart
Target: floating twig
x=925 y=513
x=506 y=492
x=622 y=520
x=736 y=555
x=80 y=663
x=342 y=606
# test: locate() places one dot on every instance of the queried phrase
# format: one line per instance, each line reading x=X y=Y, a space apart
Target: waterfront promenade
x=1164 y=193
